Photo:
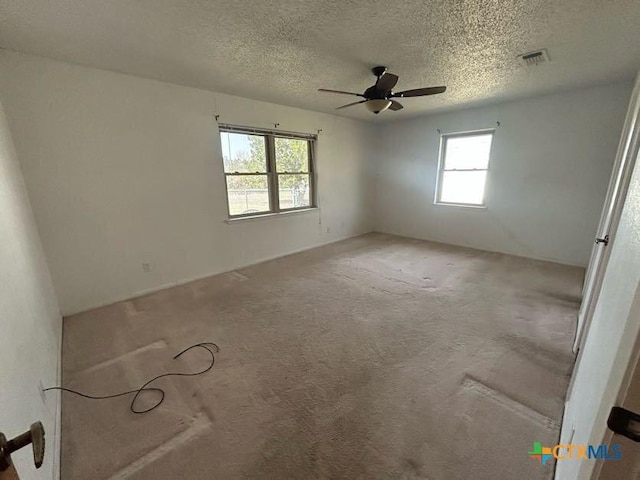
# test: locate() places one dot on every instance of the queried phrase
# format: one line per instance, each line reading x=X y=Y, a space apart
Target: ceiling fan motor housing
x=379 y=71
x=372 y=92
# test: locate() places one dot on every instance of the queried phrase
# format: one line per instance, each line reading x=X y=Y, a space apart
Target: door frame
x=626 y=155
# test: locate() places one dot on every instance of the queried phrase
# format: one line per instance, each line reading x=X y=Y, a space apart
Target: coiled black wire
x=208 y=346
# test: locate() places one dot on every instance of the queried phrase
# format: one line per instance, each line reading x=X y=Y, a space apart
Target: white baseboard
x=184 y=281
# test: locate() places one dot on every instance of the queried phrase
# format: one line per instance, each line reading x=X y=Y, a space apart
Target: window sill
x=264 y=216
x=463 y=205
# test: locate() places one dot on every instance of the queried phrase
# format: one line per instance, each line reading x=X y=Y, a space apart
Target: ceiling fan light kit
x=377 y=105
x=380 y=96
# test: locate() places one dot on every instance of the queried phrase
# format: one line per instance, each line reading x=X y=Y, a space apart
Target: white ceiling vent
x=535 y=58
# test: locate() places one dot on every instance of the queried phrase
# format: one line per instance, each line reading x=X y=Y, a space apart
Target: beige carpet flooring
x=374 y=358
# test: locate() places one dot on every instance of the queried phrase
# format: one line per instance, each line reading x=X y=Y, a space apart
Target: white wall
x=549 y=170
x=30 y=321
x=612 y=337
x=123 y=171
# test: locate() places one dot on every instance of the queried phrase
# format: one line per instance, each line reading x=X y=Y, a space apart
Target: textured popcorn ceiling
x=282 y=51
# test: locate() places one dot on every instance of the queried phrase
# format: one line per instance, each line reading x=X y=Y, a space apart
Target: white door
x=609 y=349
x=617 y=191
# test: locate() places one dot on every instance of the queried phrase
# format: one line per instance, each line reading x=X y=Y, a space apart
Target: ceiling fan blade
x=386 y=82
x=420 y=92
x=327 y=90
x=351 y=104
x=395 y=106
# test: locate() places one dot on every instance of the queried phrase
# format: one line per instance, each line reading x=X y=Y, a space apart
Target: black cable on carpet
x=208 y=346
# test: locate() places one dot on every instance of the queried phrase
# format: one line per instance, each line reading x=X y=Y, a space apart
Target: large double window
x=267 y=172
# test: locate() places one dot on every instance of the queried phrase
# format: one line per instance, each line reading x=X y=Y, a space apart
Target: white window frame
x=441 y=163
x=271 y=173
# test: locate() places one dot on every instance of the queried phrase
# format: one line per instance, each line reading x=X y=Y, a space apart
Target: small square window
x=463 y=168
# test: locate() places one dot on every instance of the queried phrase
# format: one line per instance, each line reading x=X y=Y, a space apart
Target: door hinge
x=624 y=422
x=604 y=240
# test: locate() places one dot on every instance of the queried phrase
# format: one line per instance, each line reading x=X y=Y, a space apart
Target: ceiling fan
x=380 y=96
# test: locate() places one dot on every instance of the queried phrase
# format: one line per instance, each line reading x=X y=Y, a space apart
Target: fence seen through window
x=267 y=172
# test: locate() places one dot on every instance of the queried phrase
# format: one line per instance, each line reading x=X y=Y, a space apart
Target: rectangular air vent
x=535 y=58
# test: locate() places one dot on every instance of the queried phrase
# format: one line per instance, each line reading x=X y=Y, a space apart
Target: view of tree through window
x=259 y=181
x=292 y=157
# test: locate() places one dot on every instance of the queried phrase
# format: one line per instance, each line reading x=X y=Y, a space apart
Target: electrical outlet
x=328 y=229
x=146 y=267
